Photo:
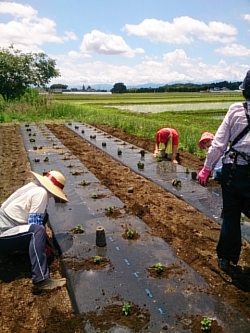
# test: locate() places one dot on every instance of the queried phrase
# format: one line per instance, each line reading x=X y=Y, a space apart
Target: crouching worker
x=205 y=142
x=167 y=139
x=22 y=228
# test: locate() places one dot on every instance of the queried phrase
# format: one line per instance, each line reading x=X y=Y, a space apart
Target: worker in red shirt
x=169 y=138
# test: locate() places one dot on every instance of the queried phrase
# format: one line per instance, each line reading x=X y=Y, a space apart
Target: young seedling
x=94 y=195
x=206 y=325
x=159 y=268
x=176 y=182
x=46 y=159
x=97 y=259
x=79 y=229
x=119 y=151
x=83 y=182
x=126 y=309
x=130 y=233
x=110 y=209
x=159 y=158
x=187 y=170
x=104 y=144
x=140 y=165
x=75 y=173
x=36 y=160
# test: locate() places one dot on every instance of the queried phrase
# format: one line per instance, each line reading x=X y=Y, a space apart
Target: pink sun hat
x=205 y=136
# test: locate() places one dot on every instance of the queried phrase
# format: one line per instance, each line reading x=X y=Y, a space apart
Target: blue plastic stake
x=160 y=310
x=127 y=262
x=148 y=293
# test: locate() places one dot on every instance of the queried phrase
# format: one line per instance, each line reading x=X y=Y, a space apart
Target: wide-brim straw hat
x=205 y=136
x=54 y=182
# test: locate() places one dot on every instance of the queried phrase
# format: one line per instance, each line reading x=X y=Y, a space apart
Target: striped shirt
x=232 y=125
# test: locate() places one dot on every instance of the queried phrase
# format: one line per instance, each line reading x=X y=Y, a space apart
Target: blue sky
x=134 y=42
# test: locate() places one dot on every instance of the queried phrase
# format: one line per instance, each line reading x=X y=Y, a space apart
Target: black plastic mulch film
x=126 y=276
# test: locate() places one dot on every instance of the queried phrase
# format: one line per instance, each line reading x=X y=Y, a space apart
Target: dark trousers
x=234 y=195
x=34 y=242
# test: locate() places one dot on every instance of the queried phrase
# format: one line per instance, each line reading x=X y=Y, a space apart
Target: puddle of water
x=156 y=108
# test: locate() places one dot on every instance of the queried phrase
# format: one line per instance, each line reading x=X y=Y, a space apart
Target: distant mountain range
x=109 y=86
x=138 y=86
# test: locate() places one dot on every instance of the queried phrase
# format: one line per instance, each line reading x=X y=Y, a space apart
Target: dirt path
x=193 y=236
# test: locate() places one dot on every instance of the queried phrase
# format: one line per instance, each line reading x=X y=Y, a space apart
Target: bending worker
x=205 y=142
x=21 y=225
x=169 y=139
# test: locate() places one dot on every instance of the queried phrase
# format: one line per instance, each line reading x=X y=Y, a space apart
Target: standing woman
x=169 y=138
x=234 y=132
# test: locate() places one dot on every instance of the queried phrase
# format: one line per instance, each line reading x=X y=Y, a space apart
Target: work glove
x=203 y=176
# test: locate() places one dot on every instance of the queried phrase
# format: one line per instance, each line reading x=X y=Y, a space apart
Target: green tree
x=119 y=88
x=58 y=86
x=18 y=71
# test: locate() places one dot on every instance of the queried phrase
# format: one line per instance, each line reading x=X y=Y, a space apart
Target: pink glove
x=203 y=176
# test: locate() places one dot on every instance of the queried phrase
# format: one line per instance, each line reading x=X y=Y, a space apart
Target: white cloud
x=16 y=9
x=28 y=32
x=246 y=17
x=174 y=66
x=183 y=30
x=101 y=43
x=234 y=50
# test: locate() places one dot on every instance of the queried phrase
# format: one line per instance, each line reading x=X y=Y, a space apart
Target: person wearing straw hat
x=231 y=142
x=205 y=142
x=22 y=225
x=167 y=138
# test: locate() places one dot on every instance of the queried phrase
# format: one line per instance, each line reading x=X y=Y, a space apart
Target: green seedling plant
x=79 y=229
x=159 y=268
x=75 y=173
x=97 y=259
x=46 y=159
x=176 y=182
x=159 y=158
x=130 y=233
x=187 y=170
x=83 y=182
x=206 y=325
x=140 y=165
x=94 y=195
x=119 y=151
x=126 y=309
x=110 y=209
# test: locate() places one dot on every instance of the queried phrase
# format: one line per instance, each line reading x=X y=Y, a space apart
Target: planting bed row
x=127 y=276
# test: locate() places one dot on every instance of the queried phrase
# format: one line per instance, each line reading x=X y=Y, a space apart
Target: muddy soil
x=192 y=235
